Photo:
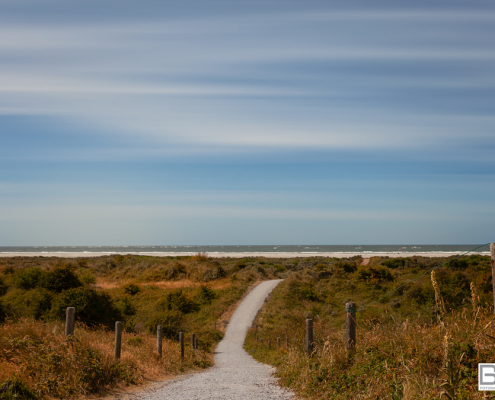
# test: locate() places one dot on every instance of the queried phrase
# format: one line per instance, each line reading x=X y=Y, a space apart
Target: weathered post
x=118 y=339
x=193 y=341
x=278 y=343
x=70 y=317
x=269 y=344
x=159 y=341
x=181 y=341
x=350 y=326
x=492 y=251
x=287 y=343
x=309 y=336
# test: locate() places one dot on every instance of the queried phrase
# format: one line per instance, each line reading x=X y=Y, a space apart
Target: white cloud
x=201 y=81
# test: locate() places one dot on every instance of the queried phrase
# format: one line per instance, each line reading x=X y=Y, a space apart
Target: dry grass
x=417 y=359
x=40 y=356
x=412 y=351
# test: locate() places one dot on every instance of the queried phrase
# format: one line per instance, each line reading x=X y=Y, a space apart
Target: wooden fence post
x=278 y=343
x=70 y=317
x=269 y=344
x=193 y=341
x=287 y=343
x=309 y=336
x=350 y=326
x=118 y=339
x=181 y=341
x=159 y=341
x=492 y=251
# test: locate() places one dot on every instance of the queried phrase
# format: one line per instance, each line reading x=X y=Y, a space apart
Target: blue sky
x=246 y=122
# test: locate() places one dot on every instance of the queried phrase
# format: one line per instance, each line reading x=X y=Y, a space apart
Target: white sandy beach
x=243 y=255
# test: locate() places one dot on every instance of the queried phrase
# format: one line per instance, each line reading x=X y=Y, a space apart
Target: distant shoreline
x=244 y=254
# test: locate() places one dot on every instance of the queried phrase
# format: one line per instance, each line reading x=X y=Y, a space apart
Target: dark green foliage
x=375 y=275
x=280 y=268
x=60 y=278
x=126 y=307
x=421 y=295
x=484 y=282
x=454 y=286
x=221 y=272
x=206 y=294
x=342 y=267
x=16 y=389
x=92 y=307
x=3 y=313
x=300 y=291
x=3 y=287
x=131 y=289
x=172 y=323
x=395 y=262
x=180 y=301
x=27 y=278
x=242 y=263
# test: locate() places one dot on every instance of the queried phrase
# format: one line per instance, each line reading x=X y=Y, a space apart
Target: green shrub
x=280 y=268
x=3 y=287
x=421 y=295
x=87 y=278
x=131 y=289
x=172 y=323
x=395 y=262
x=91 y=306
x=60 y=278
x=126 y=307
x=180 y=301
x=206 y=294
x=342 y=268
x=16 y=389
x=27 y=278
x=34 y=303
x=3 y=313
x=375 y=275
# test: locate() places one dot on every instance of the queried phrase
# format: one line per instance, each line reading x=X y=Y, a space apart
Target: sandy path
x=236 y=375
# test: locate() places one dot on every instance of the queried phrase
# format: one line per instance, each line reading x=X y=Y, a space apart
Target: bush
x=206 y=294
x=59 y=279
x=3 y=287
x=131 y=289
x=3 y=313
x=180 y=301
x=395 y=262
x=342 y=268
x=91 y=306
x=375 y=275
x=16 y=389
x=27 y=278
x=421 y=295
x=171 y=321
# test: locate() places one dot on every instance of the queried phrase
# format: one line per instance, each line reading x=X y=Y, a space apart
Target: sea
x=250 y=249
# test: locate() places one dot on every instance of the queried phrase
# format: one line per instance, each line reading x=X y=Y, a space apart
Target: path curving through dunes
x=236 y=375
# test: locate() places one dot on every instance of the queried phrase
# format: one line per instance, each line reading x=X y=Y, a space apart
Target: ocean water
x=296 y=249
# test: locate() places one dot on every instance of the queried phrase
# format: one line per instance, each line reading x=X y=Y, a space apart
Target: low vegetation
x=423 y=341
x=190 y=294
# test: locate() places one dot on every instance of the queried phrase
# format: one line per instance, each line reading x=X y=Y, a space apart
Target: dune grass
x=409 y=346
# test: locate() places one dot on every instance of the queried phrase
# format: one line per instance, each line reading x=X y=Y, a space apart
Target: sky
x=206 y=122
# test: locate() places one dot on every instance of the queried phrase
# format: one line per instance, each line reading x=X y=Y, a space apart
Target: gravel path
x=236 y=375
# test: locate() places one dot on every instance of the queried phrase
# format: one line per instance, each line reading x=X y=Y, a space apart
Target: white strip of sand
x=244 y=255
